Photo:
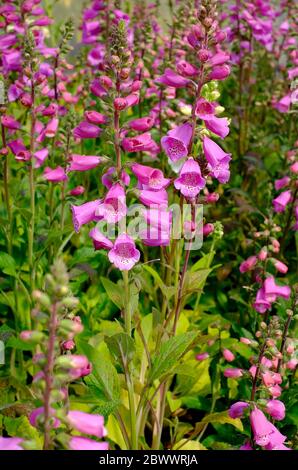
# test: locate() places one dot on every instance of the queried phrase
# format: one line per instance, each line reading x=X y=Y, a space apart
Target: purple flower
x=11 y=443
x=85 y=213
x=82 y=443
x=281 y=201
x=99 y=240
x=265 y=433
x=124 y=254
x=218 y=160
x=204 y=109
x=54 y=175
x=219 y=126
x=149 y=178
x=176 y=142
x=139 y=143
x=157 y=198
x=190 y=180
x=114 y=207
x=83 y=162
x=276 y=409
x=236 y=410
x=87 y=423
x=171 y=78
x=86 y=130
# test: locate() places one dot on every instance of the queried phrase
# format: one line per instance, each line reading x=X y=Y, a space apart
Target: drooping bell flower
x=109 y=177
x=77 y=191
x=83 y=443
x=51 y=128
x=237 y=409
x=273 y=290
x=276 y=409
x=170 y=78
x=219 y=58
x=280 y=266
x=85 y=213
x=87 y=423
x=51 y=110
x=94 y=117
x=114 y=206
x=83 y=162
x=282 y=182
x=219 y=72
x=40 y=157
x=190 y=181
x=204 y=109
x=228 y=355
x=186 y=69
x=100 y=242
x=160 y=218
x=19 y=150
x=124 y=254
x=10 y=123
x=265 y=433
x=233 y=373
x=54 y=175
x=157 y=198
x=138 y=143
x=97 y=89
x=11 y=443
x=154 y=236
x=283 y=105
x=218 y=160
x=261 y=304
x=281 y=201
x=176 y=142
x=142 y=124
x=248 y=264
x=219 y=126
x=151 y=178
x=86 y=130
x=207 y=229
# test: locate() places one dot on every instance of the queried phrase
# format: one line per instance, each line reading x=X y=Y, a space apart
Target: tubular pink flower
x=124 y=254
x=83 y=162
x=202 y=356
x=176 y=143
x=261 y=304
x=114 y=207
x=282 y=182
x=228 y=355
x=219 y=72
x=86 y=130
x=11 y=443
x=233 y=373
x=190 y=181
x=85 y=213
x=261 y=427
x=248 y=264
x=142 y=124
x=281 y=201
x=87 y=423
x=276 y=409
x=219 y=58
x=99 y=240
x=51 y=128
x=153 y=178
x=54 y=175
x=94 y=117
x=138 y=143
x=10 y=123
x=40 y=156
x=83 y=443
x=170 y=78
x=237 y=409
x=204 y=109
x=217 y=159
x=77 y=191
x=280 y=266
x=272 y=290
x=219 y=126
x=158 y=198
x=186 y=69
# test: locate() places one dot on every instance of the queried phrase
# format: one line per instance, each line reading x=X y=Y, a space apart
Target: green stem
x=32 y=193
x=127 y=313
x=132 y=410
x=6 y=193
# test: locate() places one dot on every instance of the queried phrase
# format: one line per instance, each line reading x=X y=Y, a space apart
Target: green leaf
x=114 y=292
x=195 y=281
x=168 y=291
x=170 y=353
x=121 y=346
x=8 y=265
x=185 y=444
x=223 y=418
x=20 y=427
x=204 y=262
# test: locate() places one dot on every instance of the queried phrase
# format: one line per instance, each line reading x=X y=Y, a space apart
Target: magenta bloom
x=246 y=446
x=99 y=240
x=176 y=142
x=124 y=255
x=152 y=178
x=261 y=303
x=85 y=213
x=219 y=58
x=217 y=159
x=233 y=373
x=110 y=176
x=142 y=124
x=202 y=356
x=95 y=118
x=82 y=443
x=237 y=409
x=40 y=156
x=282 y=182
x=276 y=409
x=190 y=181
x=11 y=443
x=280 y=266
x=219 y=72
x=228 y=355
x=218 y=126
x=54 y=175
x=139 y=143
x=248 y=264
x=264 y=431
x=10 y=123
x=83 y=162
x=186 y=69
x=33 y=418
x=273 y=290
x=204 y=110
x=86 y=130
x=157 y=198
x=281 y=201
x=114 y=207
x=77 y=191
x=283 y=105
x=19 y=150
x=87 y=423
x=51 y=128
x=170 y=78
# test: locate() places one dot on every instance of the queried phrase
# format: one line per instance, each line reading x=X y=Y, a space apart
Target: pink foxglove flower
x=273 y=290
x=138 y=143
x=282 y=182
x=190 y=181
x=204 y=109
x=152 y=178
x=114 y=207
x=10 y=123
x=38 y=414
x=170 y=78
x=77 y=191
x=51 y=128
x=83 y=162
x=219 y=126
x=176 y=143
x=54 y=175
x=248 y=264
x=219 y=72
x=186 y=69
x=124 y=255
x=99 y=240
x=276 y=409
x=110 y=176
x=85 y=213
x=87 y=423
x=264 y=432
x=237 y=409
x=217 y=159
x=228 y=355
x=142 y=124
x=95 y=118
x=11 y=443
x=40 y=156
x=158 y=198
x=233 y=373
x=83 y=443
x=281 y=201
x=86 y=130
x=202 y=356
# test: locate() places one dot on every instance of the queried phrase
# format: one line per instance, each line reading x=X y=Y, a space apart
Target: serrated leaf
x=170 y=353
x=121 y=346
x=20 y=427
x=113 y=291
